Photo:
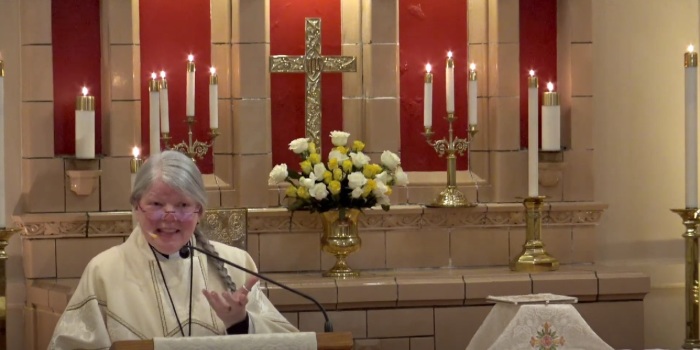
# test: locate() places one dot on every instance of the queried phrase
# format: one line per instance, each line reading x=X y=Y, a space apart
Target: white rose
x=356 y=193
x=390 y=160
x=383 y=200
x=308 y=182
x=380 y=189
x=319 y=169
x=339 y=138
x=400 y=177
x=383 y=177
x=359 y=159
x=356 y=180
x=337 y=155
x=319 y=191
x=278 y=174
x=299 y=146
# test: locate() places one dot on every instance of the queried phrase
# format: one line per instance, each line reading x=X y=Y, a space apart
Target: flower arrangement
x=348 y=180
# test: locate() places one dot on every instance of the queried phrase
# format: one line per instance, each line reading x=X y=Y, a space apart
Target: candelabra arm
x=194 y=149
x=692 y=284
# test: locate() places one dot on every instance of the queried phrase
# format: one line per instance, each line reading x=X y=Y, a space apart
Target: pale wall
x=639 y=142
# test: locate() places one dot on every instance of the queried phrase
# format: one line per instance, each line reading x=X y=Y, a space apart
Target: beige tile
x=82 y=203
x=583 y=284
x=478 y=54
x=372 y=254
x=400 y=322
x=431 y=290
x=324 y=291
x=250 y=21
x=504 y=123
x=124 y=127
x=378 y=344
x=37 y=73
x=223 y=167
x=382 y=129
x=479 y=247
x=354 y=321
x=380 y=21
x=35 y=22
x=115 y=184
x=380 y=70
x=582 y=123
x=252 y=117
x=479 y=165
x=581 y=16
x=477 y=21
x=38 y=292
x=507 y=187
x=39 y=258
x=220 y=21
x=221 y=60
x=37 y=129
x=250 y=70
x=549 y=178
x=224 y=142
x=582 y=69
x=253 y=247
x=15 y=327
x=43 y=185
x=292 y=317
x=504 y=70
x=578 y=175
x=290 y=252
x=481 y=140
x=125 y=72
x=516 y=237
x=619 y=324
x=352 y=81
x=73 y=254
x=584 y=244
x=351 y=22
x=229 y=198
x=59 y=296
x=423 y=343
x=622 y=285
x=478 y=287
x=504 y=21
x=557 y=242
x=123 y=22
x=30 y=330
x=250 y=173
x=353 y=121
x=455 y=326
x=417 y=249
x=214 y=199
x=367 y=290
x=45 y=323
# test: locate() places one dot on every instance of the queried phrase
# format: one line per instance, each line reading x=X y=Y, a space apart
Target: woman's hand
x=230 y=306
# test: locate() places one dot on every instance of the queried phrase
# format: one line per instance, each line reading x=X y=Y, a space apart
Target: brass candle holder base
x=451 y=197
x=5 y=235
x=534 y=258
x=692 y=283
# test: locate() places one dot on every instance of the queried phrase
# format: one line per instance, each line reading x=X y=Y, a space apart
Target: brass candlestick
x=192 y=148
x=451 y=197
x=5 y=235
x=534 y=258
x=692 y=283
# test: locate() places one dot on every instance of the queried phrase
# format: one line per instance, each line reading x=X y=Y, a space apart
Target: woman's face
x=167 y=217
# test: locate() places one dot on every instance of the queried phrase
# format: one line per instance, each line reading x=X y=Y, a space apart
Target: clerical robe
x=122 y=296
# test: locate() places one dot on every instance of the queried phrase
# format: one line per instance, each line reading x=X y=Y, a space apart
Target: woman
x=144 y=288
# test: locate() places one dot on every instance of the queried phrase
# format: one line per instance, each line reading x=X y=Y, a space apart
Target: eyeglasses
x=157 y=212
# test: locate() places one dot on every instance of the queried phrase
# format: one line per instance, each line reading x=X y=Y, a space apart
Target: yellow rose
x=368 y=172
x=314 y=158
x=337 y=174
x=358 y=146
x=327 y=177
x=334 y=187
x=303 y=193
x=342 y=149
x=388 y=191
x=333 y=164
x=347 y=165
x=312 y=147
x=305 y=167
x=369 y=186
x=291 y=192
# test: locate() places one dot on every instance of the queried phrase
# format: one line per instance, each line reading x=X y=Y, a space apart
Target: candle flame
x=449 y=54
x=135 y=151
x=428 y=67
x=472 y=66
x=691 y=48
x=85 y=91
x=532 y=73
x=154 y=76
x=550 y=86
x=162 y=74
x=212 y=70
x=190 y=57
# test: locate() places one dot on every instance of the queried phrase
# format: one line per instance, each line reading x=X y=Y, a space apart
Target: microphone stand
x=328 y=326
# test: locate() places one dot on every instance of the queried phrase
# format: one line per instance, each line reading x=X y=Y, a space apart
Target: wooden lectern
x=326 y=341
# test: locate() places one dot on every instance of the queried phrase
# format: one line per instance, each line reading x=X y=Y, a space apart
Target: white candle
x=691 y=128
x=551 y=120
x=2 y=145
x=164 y=121
x=450 y=83
x=213 y=99
x=471 y=95
x=153 y=114
x=532 y=144
x=189 y=101
x=428 y=98
x=85 y=126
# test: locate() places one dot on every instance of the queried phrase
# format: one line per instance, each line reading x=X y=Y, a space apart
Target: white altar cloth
x=268 y=341
x=535 y=321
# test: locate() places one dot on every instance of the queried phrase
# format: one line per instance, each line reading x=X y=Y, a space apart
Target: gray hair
x=179 y=172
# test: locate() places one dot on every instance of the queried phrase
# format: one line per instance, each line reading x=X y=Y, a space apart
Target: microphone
x=185 y=253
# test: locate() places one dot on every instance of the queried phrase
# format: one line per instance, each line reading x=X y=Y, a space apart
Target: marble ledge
x=278 y=220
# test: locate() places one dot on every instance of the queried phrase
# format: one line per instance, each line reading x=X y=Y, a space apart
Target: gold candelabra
x=534 y=258
x=692 y=283
x=5 y=235
x=451 y=197
x=194 y=149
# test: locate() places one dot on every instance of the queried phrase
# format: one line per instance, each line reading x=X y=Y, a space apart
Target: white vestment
x=121 y=296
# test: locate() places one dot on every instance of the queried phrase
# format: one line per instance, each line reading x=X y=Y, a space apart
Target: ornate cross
x=313 y=64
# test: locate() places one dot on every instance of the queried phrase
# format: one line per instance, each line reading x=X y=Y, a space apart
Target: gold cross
x=313 y=64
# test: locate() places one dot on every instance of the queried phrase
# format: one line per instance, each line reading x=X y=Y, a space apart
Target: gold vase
x=340 y=238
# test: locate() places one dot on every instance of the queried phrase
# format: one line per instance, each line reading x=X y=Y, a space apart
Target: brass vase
x=340 y=238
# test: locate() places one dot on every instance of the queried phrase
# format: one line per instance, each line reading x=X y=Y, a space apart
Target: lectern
x=326 y=341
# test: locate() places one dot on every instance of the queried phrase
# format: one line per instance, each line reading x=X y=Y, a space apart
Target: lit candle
x=153 y=114
x=471 y=97
x=450 y=83
x=532 y=144
x=213 y=99
x=428 y=98
x=691 y=127
x=134 y=165
x=85 y=126
x=164 y=121
x=189 y=101
x=551 y=120
x=2 y=144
